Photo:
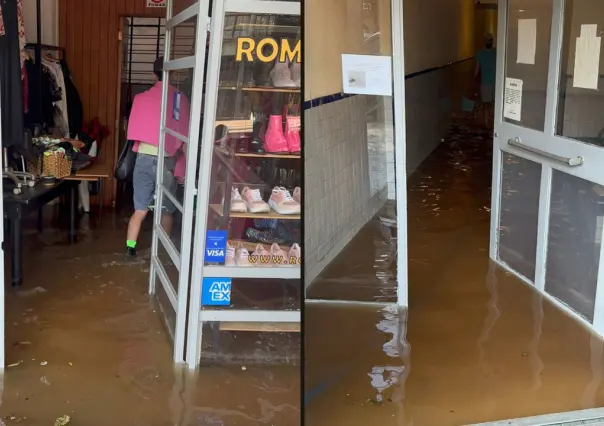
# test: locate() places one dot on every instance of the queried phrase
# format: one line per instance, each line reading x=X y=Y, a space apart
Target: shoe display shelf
x=255 y=177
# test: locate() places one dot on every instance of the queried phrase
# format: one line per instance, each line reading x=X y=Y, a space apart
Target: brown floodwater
x=83 y=339
x=476 y=344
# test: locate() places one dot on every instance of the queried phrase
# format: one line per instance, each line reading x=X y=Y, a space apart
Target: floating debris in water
x=43 y=363
x=44 y=380
x=63 y=420
x=33 y=291
x=15 y=364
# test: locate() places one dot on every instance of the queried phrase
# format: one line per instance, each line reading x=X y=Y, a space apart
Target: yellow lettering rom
x=245 y=46
x=267 y=50
x=265 y=260
x=288 y=53
x=253 y=258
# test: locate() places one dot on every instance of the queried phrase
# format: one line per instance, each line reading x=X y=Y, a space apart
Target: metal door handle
x=567 y=161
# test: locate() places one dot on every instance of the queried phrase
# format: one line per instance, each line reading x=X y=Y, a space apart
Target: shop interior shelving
x=226 y=173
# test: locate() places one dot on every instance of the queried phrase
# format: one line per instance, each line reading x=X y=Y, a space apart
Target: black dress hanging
x=11 y=86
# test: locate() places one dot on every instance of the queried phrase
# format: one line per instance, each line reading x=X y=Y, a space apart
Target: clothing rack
x=38 y=47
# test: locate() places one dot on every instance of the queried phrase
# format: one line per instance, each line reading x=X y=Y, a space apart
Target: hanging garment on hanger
x=21 y=30
x=43 y=92
x=57 y=72
x=10 y=78
x=75 y=109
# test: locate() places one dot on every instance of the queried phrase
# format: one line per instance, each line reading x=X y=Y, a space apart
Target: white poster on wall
x=512 y=101
x=156 y=3
x=527 y=41
x=587 y=58
x=367 y=75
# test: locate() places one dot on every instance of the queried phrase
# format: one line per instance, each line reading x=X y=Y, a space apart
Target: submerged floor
x=84 y=340
x=476 y=345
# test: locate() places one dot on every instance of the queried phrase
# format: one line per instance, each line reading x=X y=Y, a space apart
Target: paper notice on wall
x=527 y=41
x=512 y=101
x=367 y=74
x=587 y=58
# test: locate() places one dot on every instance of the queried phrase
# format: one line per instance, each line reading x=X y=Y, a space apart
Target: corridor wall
x=342 y=192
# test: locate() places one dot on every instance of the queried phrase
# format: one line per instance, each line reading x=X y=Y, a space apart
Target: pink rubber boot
x=292 y=134
x=274 y=139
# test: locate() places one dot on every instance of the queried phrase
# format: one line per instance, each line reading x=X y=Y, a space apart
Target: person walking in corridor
x=144 y=129
x=486 y=65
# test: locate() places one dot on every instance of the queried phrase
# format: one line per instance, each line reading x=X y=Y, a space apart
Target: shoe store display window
x=252 y=241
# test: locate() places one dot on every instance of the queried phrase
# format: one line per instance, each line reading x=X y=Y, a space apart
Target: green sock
x=130 y=244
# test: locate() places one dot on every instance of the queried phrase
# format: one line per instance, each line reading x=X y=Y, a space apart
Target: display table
x=29 y=200
x=95 y=173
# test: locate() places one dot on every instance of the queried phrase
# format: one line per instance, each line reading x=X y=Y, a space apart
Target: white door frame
x=179 y=299
x=400 y=150
x=552 y=152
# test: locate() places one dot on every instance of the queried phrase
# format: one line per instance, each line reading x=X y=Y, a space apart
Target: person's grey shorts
x=144 y=180
x=487 y=93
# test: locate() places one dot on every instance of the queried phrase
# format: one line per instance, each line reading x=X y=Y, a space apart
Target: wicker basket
x=54 y=164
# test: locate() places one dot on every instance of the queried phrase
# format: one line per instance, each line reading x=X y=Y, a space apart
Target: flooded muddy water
x=476 y=345
x=85 y=341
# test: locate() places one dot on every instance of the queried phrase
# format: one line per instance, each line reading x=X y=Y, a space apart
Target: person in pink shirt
x=144 y=130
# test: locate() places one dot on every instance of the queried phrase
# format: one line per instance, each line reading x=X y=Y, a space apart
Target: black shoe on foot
x=131 y=251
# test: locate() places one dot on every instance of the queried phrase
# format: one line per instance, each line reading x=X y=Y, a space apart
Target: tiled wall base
x=339 y=198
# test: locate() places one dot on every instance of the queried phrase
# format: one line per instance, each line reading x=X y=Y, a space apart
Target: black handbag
x=125 y=163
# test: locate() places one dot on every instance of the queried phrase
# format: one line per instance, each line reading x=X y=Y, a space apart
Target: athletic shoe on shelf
x=242 y=256
x=260 y=257
x=282 y=234
x=294 y=256
x=265 y=223
x=282 y=202
x=274 y=139
x=295 y=69
x=292 y=134
x=254 y=202
x=281 y=75
x=278 y=256
x=298 y=194
x=237 y=203
x=229 y=259
x=265 y=237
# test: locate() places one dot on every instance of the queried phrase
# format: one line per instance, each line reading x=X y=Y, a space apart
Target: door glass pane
x=171 y=218
x=528 y=20
x=183 y=39
x=574 y=240
x=580 y=101
x=256 y=165
x=169 y=267
x=521 y=182
x=178 y=113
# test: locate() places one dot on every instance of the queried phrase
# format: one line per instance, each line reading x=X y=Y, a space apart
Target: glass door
x=548 y=185
x=248 y=222
x=177 y=163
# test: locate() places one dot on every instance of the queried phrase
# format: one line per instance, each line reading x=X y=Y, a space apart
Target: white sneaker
x=237 y=203
x=294 y=257
x=229 y=258
x=295 y=69
x=281 y=75
x=242 y=256
x=254 y=202
x=282 y=202
x=260 y=257
x=278 y=256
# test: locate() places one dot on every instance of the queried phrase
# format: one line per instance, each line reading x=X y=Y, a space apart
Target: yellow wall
x=436 y=32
